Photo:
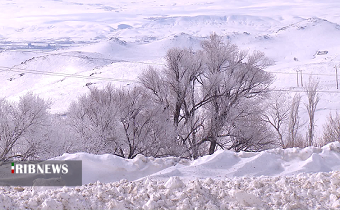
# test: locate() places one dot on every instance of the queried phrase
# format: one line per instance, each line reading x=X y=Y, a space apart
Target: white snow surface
x=292 y=178
x=222 y=164
x=57 y=48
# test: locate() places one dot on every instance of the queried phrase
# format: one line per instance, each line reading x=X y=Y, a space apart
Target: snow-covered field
x=293 y=178
x=58 y=48
x=62 y=45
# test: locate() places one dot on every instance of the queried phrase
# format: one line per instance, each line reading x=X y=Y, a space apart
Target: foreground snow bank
x=111 y=168
x=276 y=162
x=304 y=191
x=294 y=178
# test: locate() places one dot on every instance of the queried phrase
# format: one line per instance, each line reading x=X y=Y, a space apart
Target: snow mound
x=304 y=191
x=174 y=182
x=293 y=178
x=111 y=168
x=276 y=162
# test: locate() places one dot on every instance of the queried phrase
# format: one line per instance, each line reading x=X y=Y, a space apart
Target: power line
x=14 y=69
x=121 y=80
x=148 y=63
x=302 y=91
x=294 y=73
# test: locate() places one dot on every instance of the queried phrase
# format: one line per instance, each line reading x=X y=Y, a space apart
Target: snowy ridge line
x=304 y=191
x=87 y=57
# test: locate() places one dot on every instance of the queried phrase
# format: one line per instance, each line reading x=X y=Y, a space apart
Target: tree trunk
x=212 y=147
x=177 y=113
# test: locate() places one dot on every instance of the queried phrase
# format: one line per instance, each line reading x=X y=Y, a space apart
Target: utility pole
x=297 y=78
x=301 y=78
x=336 y=77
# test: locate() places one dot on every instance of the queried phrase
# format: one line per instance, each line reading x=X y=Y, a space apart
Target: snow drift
x=280 y=178
x=276 y=162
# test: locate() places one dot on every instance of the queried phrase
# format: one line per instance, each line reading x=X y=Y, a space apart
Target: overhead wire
x=16 y=69
x=147 y=63
x=2 y=68
x=294 y=73
x=303 y=91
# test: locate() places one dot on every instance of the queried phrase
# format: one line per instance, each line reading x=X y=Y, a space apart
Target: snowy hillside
x=58 y=48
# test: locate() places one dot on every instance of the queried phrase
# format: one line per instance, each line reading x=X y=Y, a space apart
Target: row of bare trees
x=120 y=122
x=216 y=97
x=283 y=115
x=200 y=101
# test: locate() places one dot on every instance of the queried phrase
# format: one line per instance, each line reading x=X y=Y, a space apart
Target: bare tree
x=331 y=129
x=313 y=99
x=59 y=138
x=206 y=90
x=277 y=115
x=294 y=139
x=122 y=122
x=247 y=131
x=232 y=76
x=164 y=99
x=154 y=81
x=22 y=126
x=282 y=114
x=176 y=90
x=144 y=127
x=93 y=119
